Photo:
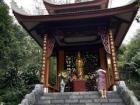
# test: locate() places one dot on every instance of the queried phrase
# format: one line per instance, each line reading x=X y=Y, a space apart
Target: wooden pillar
x=103 y=64
x=60 y=67
x=45 y=66
x=47 y=73
x=43 y=61
x=113 y=58
x=109 y=67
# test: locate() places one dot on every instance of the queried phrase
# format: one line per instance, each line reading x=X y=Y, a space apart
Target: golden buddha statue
x=79 y=66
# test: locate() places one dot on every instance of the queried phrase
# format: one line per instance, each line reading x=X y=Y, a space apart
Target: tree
x=129 y=57
x=19 y=60
x=133 y=53
x=138 y=2
x=121 y=55
x=129 y=63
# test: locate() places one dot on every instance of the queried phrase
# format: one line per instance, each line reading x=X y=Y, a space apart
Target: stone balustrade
x=127 y=95
x=34 y=96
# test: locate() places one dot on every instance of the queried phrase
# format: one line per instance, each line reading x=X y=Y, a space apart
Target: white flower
x=63 y=74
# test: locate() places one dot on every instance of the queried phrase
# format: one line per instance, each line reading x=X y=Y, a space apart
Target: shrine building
x=90 y=29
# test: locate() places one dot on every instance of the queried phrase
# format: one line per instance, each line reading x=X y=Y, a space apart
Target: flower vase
x=62 y=84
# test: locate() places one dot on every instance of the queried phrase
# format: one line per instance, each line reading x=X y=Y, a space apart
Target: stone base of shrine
x=78 y=85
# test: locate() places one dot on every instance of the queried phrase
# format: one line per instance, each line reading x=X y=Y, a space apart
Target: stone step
x=85 y=104
x=52 y=101
x=78 y=95
x=80 y=98
x=110 y=93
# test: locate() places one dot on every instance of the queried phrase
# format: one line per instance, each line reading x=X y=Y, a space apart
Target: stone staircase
x=80 y=98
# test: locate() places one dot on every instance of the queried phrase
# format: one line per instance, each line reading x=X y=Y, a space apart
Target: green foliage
x=129 y=63
x=53 y=71
x=138 y=16
x=121 y=56
x=129 y=55
x=19 y=60
x=138 y=3
x=133 y=52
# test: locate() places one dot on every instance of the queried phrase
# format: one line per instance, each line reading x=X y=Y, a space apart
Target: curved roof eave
x=76 y=16
x=52 y=8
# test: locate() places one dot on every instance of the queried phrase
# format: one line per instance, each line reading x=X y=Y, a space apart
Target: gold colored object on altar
x=79 y=66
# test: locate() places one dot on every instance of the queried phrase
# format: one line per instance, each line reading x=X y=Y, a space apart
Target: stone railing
x=34 y=96
x=126 y=94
